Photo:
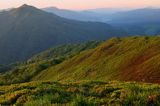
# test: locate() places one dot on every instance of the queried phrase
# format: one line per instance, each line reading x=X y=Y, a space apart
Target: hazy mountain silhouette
x=143 y=21
x=26 y=30
x=75 y=15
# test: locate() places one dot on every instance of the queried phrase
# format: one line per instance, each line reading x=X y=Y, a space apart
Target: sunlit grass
x=83 y=93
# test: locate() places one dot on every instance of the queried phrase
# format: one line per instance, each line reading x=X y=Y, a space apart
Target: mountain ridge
x=137 y=21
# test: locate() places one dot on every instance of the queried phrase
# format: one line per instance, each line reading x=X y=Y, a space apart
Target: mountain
x=26 y=31
x=126 y=59
x=143 y=21
x=94 y=15
x=112 y=15
x=75 y=15
x=137 y=16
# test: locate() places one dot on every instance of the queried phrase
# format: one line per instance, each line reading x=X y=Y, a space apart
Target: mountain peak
x=25 y=6
x=25 y=9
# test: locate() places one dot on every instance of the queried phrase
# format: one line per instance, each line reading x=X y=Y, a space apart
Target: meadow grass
x=82 y=93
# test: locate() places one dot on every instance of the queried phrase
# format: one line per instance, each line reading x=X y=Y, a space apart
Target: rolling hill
x=127 y=59
x=24 y=71
x=26 y=31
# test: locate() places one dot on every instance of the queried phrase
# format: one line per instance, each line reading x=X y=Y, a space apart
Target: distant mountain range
x=98 y=15
x=137 y=16
x=75 y=15
x=138 y=22
x=26 y=30
x=143 y=21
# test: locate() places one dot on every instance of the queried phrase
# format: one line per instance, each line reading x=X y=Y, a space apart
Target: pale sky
x=81 y=4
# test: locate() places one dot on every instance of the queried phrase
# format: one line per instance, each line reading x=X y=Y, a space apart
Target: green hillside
x=79 y=74
x=64 y=51
x=84 y=93
x=127 y=59
x=22 y=72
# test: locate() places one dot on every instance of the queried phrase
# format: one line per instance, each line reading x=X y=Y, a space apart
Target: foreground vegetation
x=84 y=93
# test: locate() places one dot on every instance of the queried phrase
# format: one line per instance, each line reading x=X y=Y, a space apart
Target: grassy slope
x=84 y=93
x=23 y=72
x=130 y=58
x=63 y=51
